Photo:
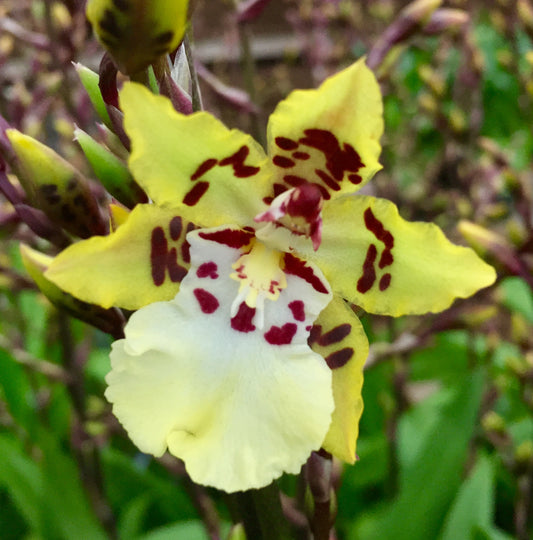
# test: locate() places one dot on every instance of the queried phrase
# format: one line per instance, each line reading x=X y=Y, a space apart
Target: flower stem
x=260 y=512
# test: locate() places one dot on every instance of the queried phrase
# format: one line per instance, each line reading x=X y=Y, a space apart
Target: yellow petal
x=137 y=32
x=328 y=136
x=143 y=261
x=374 y=258
x=339 y=337
x=193 y=161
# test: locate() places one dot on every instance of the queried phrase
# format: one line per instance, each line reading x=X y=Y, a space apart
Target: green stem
x=259 y=510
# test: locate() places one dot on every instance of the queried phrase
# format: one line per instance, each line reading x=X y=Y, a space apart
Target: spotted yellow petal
x=339 y=337
x=143 y=261
x=328 y=136
x=193 y=161
x=137 y=32
x=374 y=258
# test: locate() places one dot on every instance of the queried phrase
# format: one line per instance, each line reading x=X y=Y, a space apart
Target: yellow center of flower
x=260 y=277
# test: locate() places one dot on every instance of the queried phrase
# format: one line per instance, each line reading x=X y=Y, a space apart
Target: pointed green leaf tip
x=138 y=32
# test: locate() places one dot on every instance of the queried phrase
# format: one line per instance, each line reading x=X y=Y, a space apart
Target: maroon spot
x=369 y=273
x=339 y=358
x=297 y=267
x=294 y=180
x=195 y=194
x=374 y=225
x=355 y=178
x=268 y=200
x=207 y=269
x=240 y=170
x=207 y=165
x=308 y=328
x=314 y=334
x=175 y=227
x=326 y=178
x=335 y=335
x=283 y=162
x=162 y=259
x=234 y=238
x=242 y=322
x=279 y=189
x=208 y=302
x=286 y=144
x=301 y=155
x=338 y=160
x=384 y=282
x=298 y=311
x=186 y=247
x=281 y=336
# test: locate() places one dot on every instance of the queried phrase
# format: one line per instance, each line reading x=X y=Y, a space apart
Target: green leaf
x=517 y=296
x=66 y=501
x=23 y=481
x=474 y=504
x=191 y=530
x=430 y=470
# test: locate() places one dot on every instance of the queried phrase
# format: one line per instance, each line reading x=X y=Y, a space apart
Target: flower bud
x=107 y=320
x=138 y=32
x=55 y=186
x=110 y=170
x=90 y=79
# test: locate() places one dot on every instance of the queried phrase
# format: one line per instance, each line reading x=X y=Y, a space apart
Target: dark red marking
x=355 y=178
x=242 y=322
x=297 y=267
x=298 y=311
x=306 y=202
x=162 y=259
x=196 y=193
x=384 y=282
x=301 y=155
x=335 y=335
x=323 y=191
x=340 y=358
x=279 y=189
x=207 y=269
x=281 y=336
x=283 y=162
x=186 y=247
x=208 y=303
x=369 y=273
x=268 y=200
x=234 y=238
x=175 y=227
x=374 y=225
x=328 y=180
x=338 y=160
x=314 y=334
x=240 y=170
x=286 y=144
x=207 y=165
x=294 y=180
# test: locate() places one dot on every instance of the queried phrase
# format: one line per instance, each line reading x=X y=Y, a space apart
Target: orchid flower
x=244 y=355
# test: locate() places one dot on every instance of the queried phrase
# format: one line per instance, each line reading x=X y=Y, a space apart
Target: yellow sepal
x=374 y=258
x=143 y=261
x=339 y=337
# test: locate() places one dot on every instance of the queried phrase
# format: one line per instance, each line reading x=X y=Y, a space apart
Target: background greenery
x=446 y=443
